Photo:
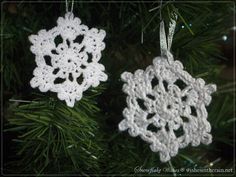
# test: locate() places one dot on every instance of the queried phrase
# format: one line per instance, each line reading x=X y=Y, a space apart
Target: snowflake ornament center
x=67 y=58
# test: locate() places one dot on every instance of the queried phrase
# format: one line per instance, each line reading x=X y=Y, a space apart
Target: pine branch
x=53 y=137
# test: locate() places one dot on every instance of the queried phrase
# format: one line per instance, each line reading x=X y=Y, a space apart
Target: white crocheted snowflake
x=166 y=107
x=67 y=59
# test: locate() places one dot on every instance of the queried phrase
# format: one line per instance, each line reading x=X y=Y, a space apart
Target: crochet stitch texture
x=166 y=107
x=67 y=59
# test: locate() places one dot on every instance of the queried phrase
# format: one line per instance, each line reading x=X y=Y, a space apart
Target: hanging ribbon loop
x=72 y=6
x=166 y=42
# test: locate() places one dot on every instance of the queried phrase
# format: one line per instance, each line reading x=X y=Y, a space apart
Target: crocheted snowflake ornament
x=67 y=58
x=166 y=107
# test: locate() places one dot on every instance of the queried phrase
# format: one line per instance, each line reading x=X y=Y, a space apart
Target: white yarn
x=169 y=108
x=166 y=105
x=69 y=71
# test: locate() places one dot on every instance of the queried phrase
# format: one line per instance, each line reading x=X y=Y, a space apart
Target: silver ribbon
x=67 y=6
x=165 y=45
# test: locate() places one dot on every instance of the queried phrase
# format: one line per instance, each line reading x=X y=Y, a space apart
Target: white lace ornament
x=166 y=105
x=71 y=66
